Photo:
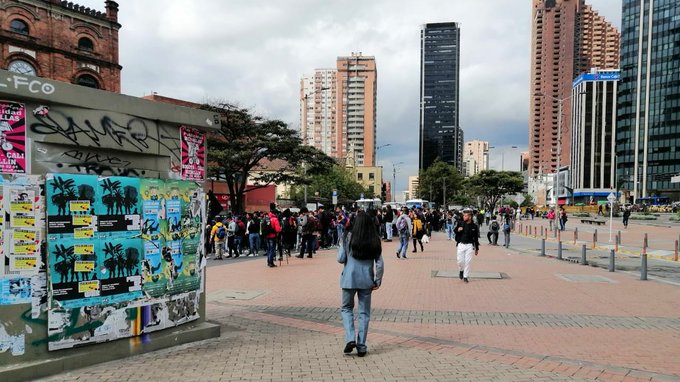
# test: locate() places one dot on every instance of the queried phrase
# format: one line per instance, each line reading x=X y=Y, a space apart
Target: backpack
x=402 y=225
x=311 y=226
x=494 y=226
x=241 y=227
x=289 y=225
x=267 y=227
x=221 y=232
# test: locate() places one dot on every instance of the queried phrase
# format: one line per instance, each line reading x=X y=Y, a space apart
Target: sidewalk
x=543 y=320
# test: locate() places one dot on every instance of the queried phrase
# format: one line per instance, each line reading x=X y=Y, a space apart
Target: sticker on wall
x=70 y=205
x=193 y=154
x=12 y=138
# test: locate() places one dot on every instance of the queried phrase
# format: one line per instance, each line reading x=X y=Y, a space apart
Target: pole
x=643 y=267
x=611 y=220
x=444 y=195
x=542 y=247
x=583 y=255
x=557 y=162
x=394 y=183
x=559 y=250
x=305 y=167
x=612 y=261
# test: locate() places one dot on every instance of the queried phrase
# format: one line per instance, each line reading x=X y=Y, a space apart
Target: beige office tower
x=475 y=157
x=568 y=39
x=356 y=109
x=317 y=111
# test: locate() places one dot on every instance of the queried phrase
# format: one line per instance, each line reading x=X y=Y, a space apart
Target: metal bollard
x=677 y=247
x=612 y=261
x=583 y=255
x=559 y=250
x=575 y=235
x=594 y=239
x=618 y=237
x=535 y=231
x=542 y=247
x=643 y=267
x=595 y=235
x=645 y=243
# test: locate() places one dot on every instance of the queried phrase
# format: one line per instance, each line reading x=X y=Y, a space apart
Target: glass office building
x=648 y=119
x=440 y=133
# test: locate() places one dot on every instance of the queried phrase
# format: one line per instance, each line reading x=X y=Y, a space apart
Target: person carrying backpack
x=308 y=225
x=253 y=229
x=288 y=231
x=218 y=235
x=270 y=230
x=404 y=227
x=494 y=229
x=506 y=234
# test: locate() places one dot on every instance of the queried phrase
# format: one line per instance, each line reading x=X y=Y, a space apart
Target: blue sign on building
x=602 y=76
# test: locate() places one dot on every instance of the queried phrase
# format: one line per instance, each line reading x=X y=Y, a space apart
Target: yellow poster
x=25 y=248
x=84 y=266
x=83 y=249
x=82 y=219
x=24 y=263
x=24 y=235
x=83 y=233
x=88 y=286
x=21 y=207
x=79 y=205
x=22 y=221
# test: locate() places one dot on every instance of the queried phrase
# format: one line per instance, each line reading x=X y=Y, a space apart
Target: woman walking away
x=360 y=252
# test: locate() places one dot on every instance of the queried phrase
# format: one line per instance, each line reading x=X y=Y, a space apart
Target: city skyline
x=255 y=53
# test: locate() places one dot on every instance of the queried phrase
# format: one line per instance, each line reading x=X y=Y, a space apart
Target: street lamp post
x=394 y=180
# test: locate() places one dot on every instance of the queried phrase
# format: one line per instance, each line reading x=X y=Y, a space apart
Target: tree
x=336 y=179
x=244 y=141
x=491 y=185
x=435 y=179
x=528 y=201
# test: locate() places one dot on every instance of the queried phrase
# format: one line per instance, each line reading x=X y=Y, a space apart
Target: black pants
x=308 y=244
x=493 y=235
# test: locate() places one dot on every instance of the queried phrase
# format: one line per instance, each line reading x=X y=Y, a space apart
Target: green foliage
x=336 y=178
x=528 y=201
x=244 y=141
x=435 y=179
x=491 y=185
x=510 y=202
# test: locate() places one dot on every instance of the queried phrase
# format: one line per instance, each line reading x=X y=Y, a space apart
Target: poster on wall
x=89 y=272
x=12 y=138
x=71 y=206
x=15 y=290
x=22 y=225
x=118 y=206
x=193 y=154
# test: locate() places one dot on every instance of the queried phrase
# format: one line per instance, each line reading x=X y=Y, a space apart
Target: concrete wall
x=76 y=130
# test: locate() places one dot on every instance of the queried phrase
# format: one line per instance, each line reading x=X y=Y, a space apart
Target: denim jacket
x=358 y=274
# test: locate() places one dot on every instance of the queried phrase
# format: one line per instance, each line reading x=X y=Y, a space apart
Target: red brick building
x=61 y=41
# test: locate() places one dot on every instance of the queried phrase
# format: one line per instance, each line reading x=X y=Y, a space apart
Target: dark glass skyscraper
x=440 y=133
x=648 y=127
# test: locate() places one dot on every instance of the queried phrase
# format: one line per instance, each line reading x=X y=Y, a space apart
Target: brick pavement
x=530 y=325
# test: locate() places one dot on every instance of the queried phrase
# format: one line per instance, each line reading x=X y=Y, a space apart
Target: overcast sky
x=253 y=52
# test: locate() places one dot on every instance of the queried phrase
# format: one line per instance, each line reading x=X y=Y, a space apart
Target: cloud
x=254 y=52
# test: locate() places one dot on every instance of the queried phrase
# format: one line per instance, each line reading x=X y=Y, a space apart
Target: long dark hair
x=365 y=241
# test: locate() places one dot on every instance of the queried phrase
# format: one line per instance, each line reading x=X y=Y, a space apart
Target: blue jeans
x=341 y=232
x=347 y=312
x=403 y=245
x=254 y=241
x=271 y=250
x=388 y=230
x=449 y=230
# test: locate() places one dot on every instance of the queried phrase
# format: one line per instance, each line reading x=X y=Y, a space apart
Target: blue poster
x=15 y=290
x=71 y=204
x=119 y=206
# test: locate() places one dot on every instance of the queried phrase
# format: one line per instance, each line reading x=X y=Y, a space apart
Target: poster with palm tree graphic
x=71 y=206
x=119 y=206
x=92 y=272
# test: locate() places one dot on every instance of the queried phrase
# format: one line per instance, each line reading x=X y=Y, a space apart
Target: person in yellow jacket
x=418 y=231
x=218 y=235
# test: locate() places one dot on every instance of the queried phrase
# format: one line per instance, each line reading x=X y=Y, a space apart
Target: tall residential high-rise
x=355 y=120
x=440 y=133
x=594 y=127
x=568 y=39
x=317 y=111
x=648 y=120
x=475 y=157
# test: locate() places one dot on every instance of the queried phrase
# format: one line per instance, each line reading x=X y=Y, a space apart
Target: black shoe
x=466 y=280
x=398 y=255
x=236 y=255
x=460 y=275
x=271 y=265
x=299 y=256
x=415 y=251
x=309 y=256
x=361 y=353
x=422 y=249
x=228 y=257
x=350 y=347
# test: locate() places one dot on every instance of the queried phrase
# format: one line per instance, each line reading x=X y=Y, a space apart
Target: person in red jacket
x=270 y=230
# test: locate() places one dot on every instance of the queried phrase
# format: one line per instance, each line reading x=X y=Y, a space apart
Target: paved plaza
x=539 y=319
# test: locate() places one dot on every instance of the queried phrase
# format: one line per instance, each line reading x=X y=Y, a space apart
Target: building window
x=18 y=26
x=360 y=176
x=85 y=44
x=88 y=81
x=21 y=67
